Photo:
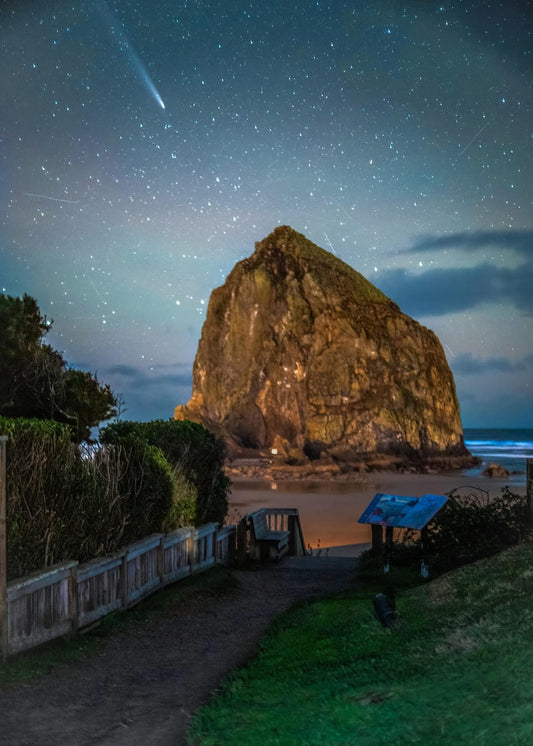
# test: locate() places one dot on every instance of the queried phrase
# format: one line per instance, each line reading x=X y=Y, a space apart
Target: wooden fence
x=67 y=597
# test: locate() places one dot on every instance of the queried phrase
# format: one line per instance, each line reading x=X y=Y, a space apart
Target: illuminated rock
x=300 y=349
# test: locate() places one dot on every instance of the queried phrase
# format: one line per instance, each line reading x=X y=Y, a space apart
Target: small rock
x=496 y=471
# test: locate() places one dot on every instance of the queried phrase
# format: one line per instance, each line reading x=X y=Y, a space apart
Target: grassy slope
x=456 y=670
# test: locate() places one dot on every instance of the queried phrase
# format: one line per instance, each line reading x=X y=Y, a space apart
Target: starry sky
x=145 y=147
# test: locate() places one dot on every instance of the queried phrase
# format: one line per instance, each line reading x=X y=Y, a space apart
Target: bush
x=122 y=494
x=183 y=508
x=69 y=502
x=41 y=471
x=192 y=451
x=145 y=487
x=471 y=526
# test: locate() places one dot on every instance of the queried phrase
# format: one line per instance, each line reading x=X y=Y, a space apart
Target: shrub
x=42 y=468
x=67 y=502
x=192 y=451
x=145 y=487
x=471 y=526
x=183 y=508
x=121 y=495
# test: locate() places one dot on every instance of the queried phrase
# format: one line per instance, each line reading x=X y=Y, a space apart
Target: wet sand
x=329 y=510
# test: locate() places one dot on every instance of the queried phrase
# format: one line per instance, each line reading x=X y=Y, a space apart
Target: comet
x=146 y=79
x=119 y=35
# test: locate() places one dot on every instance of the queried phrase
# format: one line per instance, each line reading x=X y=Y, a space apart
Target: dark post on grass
x=384 y=608
x=3 y=548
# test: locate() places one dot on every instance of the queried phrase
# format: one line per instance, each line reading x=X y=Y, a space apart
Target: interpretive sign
x=402 y=512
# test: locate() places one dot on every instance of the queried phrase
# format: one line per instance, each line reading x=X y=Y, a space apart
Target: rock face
x=299 y=352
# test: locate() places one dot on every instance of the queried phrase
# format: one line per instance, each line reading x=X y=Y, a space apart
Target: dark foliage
x=192 y=450
x=69 y=502
x=21 y=330
x=35 y=380
x=469 y=526
x=145 y=479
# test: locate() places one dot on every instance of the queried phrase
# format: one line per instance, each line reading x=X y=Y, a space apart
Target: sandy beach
x=329 y=510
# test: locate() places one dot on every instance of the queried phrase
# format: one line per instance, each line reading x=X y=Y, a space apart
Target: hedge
x=72 y=502
x=192 y=451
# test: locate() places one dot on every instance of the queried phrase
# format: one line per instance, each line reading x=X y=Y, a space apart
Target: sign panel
x=402 y=512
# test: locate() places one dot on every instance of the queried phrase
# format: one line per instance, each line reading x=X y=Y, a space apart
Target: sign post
x=399 y=511
x=377 y=541
x=3 y=548
x=389 y=531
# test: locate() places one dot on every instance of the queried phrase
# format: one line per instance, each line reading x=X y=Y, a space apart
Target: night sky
x=145 y=147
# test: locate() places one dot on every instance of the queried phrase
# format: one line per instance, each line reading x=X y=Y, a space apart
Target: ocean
x=509 y=448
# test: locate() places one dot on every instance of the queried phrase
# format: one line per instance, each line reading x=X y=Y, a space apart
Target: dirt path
x=142 y=686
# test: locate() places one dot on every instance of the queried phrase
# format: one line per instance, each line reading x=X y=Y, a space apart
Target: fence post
x=73 y=600
x=529 y=490
x=161 y=559
x=124 y=579
x=3 y=548
x=192 y=555
x=242 y=529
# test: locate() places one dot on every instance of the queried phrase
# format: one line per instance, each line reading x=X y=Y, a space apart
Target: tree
x=35 y=380
x=21 y=330
x=87 y=400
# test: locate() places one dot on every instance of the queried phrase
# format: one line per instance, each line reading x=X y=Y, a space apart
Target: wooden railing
x=67 y=597
x=287 y=519
x=41 y=606
x=64 y=598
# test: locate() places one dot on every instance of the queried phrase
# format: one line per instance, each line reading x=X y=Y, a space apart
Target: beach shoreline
x=330 y=508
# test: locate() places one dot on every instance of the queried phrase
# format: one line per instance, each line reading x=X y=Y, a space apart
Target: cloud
x=519 y=241
x=126 y=371
x=442 y=291
x=467 y=364
x=502 y=409
x=156 y=376
x=149 y=392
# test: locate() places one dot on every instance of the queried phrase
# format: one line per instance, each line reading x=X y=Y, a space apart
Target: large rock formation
x=300 y=352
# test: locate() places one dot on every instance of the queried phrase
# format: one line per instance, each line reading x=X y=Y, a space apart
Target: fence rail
x=67 y=597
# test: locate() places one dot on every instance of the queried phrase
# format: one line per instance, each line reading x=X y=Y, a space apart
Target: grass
x=42 y=660
x=455 y=670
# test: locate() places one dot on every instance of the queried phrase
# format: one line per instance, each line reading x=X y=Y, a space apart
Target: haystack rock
x=301 y=354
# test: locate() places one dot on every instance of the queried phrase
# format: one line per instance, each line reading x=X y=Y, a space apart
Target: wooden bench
x=266 y=544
